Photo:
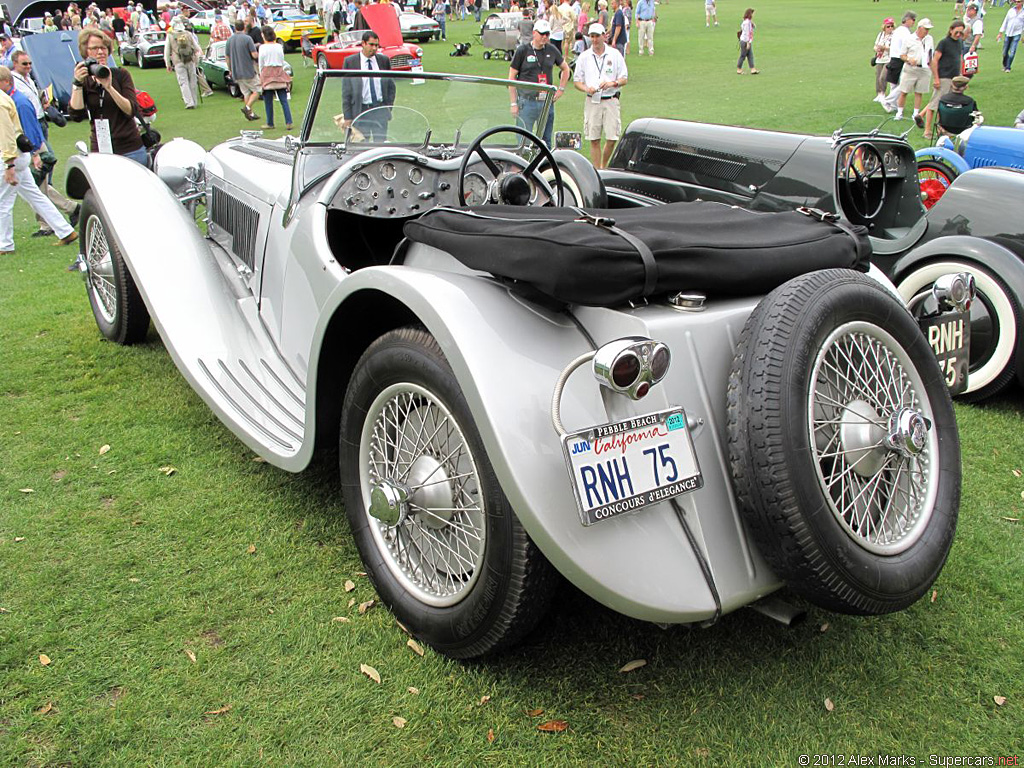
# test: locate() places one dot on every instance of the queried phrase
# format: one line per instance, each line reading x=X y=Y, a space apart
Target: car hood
x=384 y=21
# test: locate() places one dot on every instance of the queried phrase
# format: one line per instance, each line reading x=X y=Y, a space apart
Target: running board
x=205 y=312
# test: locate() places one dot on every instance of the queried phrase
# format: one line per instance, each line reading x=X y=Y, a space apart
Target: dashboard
x=877 y=186
x=408 y=185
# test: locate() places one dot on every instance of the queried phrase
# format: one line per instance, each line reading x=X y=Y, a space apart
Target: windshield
x=418 y=109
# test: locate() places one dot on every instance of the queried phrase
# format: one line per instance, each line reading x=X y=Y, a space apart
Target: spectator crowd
x=586 y=42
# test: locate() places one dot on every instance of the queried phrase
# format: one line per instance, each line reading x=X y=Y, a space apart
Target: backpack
x=186 y=49
x=147 y=107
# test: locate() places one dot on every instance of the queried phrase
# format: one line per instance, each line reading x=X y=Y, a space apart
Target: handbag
x=970 y=64
x=54 y=115
x=874 y=61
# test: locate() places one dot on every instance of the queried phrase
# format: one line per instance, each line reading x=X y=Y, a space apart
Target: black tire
x=141 y=62
x=934 y=178
x=321 y=62
x=502 y=584
x=995 y=323
x=487 y=55
x=819 y=363
x=116 y=303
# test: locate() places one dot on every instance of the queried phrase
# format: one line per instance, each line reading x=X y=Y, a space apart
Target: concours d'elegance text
x=896 y=760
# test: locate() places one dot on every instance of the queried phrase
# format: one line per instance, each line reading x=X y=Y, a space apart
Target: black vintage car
x=867 y=178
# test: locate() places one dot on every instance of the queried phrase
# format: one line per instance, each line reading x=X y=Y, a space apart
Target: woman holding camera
x=106 y=97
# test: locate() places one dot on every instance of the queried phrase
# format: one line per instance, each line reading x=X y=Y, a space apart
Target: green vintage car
x=215 y=67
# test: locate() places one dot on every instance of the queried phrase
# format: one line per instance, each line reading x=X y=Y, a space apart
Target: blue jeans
x=268 y=103
x=529 y=114
x=138 y=155
x=476 y=13
x=1010 y=50
x=444 y=33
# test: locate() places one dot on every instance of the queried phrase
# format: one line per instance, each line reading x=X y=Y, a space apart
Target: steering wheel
x=513 y=188
x=859 y=183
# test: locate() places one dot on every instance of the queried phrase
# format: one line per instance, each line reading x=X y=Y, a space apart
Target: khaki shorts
x=249 y=85
x=604 y=115
x=915 y=79
x=945 y=86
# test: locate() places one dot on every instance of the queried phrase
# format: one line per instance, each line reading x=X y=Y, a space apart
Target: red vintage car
x=384 y=21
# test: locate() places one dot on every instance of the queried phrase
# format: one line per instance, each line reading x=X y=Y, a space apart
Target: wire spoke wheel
x=411 y=440
x=101 y=268
x=869 y=432
x=843 y=445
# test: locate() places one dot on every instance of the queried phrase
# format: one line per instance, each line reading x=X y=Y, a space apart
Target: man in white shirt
x=600 y=74
x=21 y=75
x=975 y=29
x=894 y=68
x=916 y=77
x=1013 y=26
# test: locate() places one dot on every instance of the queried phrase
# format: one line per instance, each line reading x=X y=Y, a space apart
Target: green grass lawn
x=190 y=618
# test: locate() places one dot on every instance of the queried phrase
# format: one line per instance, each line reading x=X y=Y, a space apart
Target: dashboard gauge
x=476 y=189
x=388 y=171
x=362 y=181
x=889 y=159
x=415 y=175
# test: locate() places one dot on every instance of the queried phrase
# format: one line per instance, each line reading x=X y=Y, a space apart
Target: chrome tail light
x=632 y=365
x=955 y=291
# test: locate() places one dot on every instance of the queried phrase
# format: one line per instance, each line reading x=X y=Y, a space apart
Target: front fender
x=995 y=258
x=947 y=156
x=507 y=355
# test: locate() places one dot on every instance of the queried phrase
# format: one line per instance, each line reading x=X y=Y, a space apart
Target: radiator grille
x=401 y=60
x=239 y=220
x=692 y=162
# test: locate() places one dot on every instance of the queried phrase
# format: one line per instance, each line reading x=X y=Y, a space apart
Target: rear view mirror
x=568 y=140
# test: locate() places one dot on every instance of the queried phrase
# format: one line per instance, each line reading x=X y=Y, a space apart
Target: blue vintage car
x=980 y=146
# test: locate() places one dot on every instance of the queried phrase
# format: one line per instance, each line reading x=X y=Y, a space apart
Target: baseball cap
x=889 y=20
x=542 y=27
x=926 y=23
x=961 y=82
x=596 y=29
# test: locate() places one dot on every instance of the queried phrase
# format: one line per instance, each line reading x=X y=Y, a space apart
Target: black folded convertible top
x=593 y=256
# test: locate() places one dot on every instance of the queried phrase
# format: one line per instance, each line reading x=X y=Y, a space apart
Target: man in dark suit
x=362 y=94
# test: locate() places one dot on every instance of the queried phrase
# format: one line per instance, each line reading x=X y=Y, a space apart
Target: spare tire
x=843 y=445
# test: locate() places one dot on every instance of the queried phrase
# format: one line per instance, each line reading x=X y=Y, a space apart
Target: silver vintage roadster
x=678 y=408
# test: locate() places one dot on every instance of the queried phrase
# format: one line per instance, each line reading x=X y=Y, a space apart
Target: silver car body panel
x=257 y=366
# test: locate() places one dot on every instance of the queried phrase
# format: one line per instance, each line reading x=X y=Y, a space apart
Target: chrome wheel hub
x=908 y=432
x=422 y=494
x=388 y=502
x=871 y=438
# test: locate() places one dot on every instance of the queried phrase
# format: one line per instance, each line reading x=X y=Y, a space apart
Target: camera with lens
x=96 y=69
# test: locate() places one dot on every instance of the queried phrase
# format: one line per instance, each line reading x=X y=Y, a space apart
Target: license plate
x=631 y=464
x=949 y=335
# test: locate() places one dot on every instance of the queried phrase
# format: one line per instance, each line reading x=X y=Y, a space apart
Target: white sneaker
x=885 y=106
x=898 y=115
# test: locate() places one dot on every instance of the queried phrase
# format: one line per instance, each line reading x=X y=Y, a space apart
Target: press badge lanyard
x=103 y=139
x=596 y=95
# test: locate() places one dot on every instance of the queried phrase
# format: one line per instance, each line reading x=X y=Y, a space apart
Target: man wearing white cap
x=916 y=77
x=534 y=62
x=600 y=74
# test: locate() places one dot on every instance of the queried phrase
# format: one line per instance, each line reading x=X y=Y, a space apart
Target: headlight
x=632 y=365
x=419 y=52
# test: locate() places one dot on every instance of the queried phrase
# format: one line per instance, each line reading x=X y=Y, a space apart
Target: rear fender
x=947 y=156
x=993 y=257
x=507 y=355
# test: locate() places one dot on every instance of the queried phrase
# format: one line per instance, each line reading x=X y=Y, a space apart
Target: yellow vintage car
x=290 y=24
